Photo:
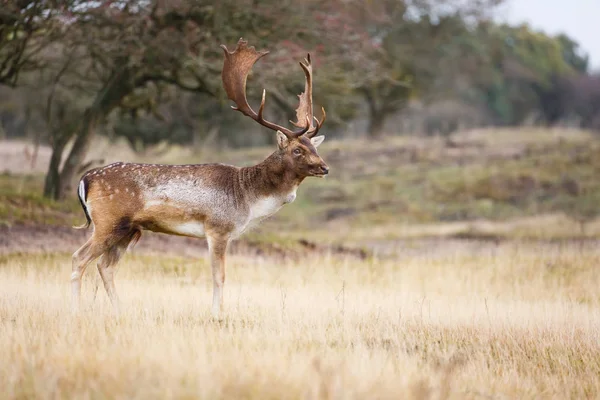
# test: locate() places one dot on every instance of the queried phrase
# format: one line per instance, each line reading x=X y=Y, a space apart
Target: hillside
x=490 y=184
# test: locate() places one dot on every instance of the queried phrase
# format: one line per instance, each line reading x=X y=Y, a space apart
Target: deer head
x=298 y=148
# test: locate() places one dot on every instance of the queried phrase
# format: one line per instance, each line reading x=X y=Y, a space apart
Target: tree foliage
x=402 y=50
x=523 y=68
x=149 y=71
x=123 y=55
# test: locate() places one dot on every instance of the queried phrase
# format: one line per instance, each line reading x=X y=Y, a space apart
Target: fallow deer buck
x=215 y=201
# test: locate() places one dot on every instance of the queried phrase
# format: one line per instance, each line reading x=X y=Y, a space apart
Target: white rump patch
x=192 y=228
x=81 y=193
x=81 y=190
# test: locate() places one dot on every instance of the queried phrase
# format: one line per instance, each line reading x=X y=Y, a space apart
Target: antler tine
x=262 y=105
x=236 y=67
x=319 y=124
x=304 y=110
x=305 y=106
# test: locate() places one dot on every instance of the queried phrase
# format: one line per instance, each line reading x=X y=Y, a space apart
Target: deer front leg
x=217 y=247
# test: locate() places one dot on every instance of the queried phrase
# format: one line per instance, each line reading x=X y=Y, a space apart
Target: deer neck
x=271 y=177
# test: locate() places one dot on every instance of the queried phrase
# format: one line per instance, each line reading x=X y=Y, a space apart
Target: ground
x=463 y=320
x=496 y=298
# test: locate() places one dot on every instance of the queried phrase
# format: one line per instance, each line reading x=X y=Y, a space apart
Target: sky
x=579 y=19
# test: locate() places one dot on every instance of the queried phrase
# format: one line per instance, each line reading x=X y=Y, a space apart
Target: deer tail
x=82 y=194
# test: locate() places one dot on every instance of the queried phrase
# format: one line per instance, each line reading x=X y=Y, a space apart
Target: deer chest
x=269 y=205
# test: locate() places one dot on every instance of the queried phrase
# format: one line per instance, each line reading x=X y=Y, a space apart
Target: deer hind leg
x=107 y=266
x=107 y=269
x=87 y=253
x=217 y=246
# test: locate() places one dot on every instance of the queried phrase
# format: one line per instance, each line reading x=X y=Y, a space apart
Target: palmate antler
x=304 y=112
x=236 y=67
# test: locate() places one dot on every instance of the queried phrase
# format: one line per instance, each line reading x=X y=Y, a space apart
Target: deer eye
x=297 y=152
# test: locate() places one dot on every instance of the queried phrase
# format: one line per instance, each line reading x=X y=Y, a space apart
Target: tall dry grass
x=473 y=321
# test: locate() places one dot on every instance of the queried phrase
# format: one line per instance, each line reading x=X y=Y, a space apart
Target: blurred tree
x=13 y=113
x=149 y=70
x=556 y=98
x=583 y=97
x=524 y=72
x=399 y=50
x=27 y=27
x=123 y=54
x=125 y=51
x=573 y=54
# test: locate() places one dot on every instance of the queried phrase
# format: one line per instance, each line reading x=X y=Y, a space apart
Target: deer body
x=186 y=199
x=215 y=201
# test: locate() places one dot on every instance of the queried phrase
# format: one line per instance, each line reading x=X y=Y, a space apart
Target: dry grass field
x=452 y=320
x=422 y=268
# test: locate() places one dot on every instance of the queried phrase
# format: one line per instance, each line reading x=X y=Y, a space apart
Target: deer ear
x=282 y=140
x=317 y=140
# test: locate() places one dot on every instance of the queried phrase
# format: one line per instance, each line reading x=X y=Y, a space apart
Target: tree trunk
x=106 y=100
x=376 y=113
x=59 y=140
x=376 y=125
x=52 y=182
x=77 y=153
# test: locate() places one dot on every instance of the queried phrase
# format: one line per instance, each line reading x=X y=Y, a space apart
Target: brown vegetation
x=449 y=322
